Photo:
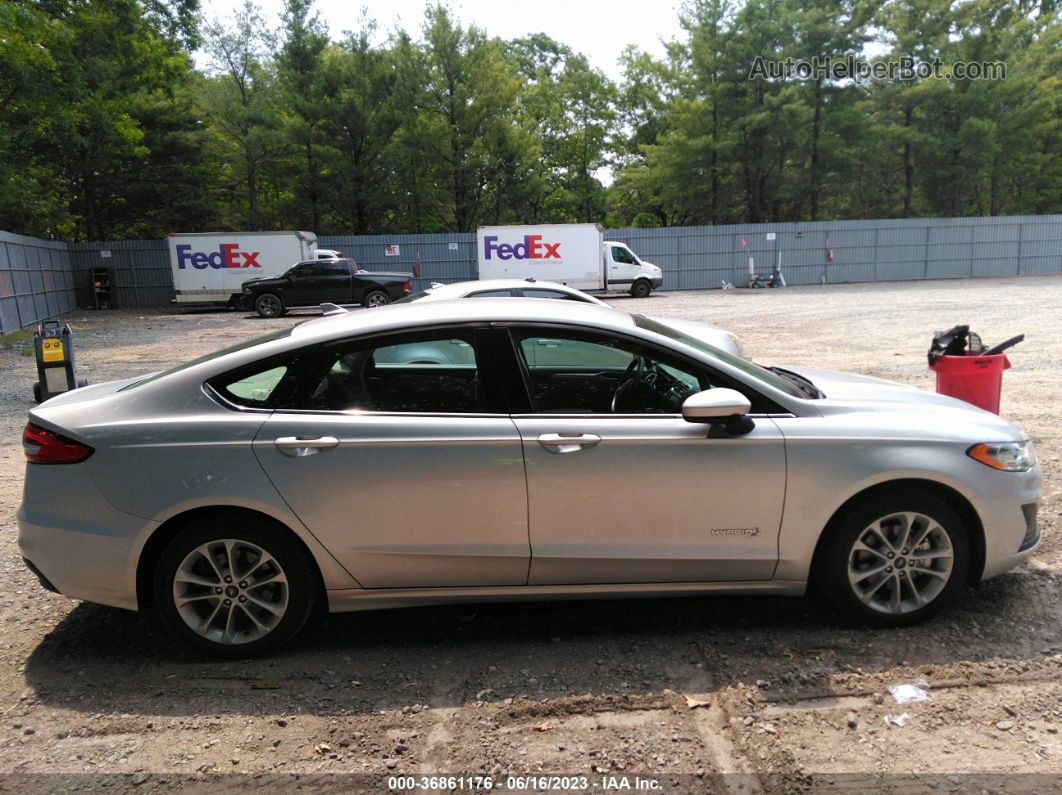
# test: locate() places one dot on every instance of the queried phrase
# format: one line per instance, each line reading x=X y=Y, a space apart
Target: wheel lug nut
x=243 y=598
x=228 y=602
x=888 y=569
x=228 y=579
x=904 y=551
x=217 y=590
x=243 y=584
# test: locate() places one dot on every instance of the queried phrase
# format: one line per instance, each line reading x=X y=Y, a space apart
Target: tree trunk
x=816 y=131
x=908 y=164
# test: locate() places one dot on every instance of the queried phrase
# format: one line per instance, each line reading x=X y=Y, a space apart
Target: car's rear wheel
x=235 y=589
x=641 y=289
x=269 y=305
x=895 y=559
x=375 y=298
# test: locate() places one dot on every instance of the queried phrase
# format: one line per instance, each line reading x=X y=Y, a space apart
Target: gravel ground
x=728 y=694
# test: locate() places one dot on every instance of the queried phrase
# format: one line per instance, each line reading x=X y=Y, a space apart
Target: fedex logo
x=532 y=248
x=228 y=255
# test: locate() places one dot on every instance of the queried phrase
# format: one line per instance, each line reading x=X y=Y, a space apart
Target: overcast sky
x=599 y=30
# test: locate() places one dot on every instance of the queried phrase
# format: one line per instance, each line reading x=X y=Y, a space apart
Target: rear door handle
x=567 y=442
x=304 y=445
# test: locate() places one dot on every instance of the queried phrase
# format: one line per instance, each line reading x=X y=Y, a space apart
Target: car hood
x=850 y=392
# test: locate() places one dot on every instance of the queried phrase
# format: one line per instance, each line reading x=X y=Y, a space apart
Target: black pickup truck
x=333 y=281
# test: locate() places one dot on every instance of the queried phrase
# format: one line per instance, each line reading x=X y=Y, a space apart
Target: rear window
x=240 y=346
x=413 y=297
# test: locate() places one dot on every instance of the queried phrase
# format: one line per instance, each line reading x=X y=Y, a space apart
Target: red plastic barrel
x=975 y=379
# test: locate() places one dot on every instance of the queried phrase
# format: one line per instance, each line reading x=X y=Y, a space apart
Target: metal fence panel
x=42 y=278
x=30 y=280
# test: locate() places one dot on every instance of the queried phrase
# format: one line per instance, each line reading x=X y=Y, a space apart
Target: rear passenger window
x=250 y=388
x=434 y=373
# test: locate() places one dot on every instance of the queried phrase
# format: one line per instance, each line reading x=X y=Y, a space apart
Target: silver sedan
x=457 y=451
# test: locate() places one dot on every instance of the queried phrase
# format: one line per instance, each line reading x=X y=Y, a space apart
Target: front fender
x=825 y=474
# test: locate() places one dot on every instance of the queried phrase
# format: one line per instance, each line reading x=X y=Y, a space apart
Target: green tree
x=460 y=136
x=302 y=89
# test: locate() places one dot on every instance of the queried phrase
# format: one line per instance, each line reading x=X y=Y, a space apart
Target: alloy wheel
x=376 y=299
x=269 y=306
x=900 y=562
x=230 y=591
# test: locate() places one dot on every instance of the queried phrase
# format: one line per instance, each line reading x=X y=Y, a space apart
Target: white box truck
x=573 y=254
x=209 y=267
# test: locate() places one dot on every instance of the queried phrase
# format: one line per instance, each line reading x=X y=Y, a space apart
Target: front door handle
x=567 y=442
x=304 y=445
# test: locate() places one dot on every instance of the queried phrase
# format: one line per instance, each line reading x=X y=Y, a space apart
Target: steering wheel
x=634 y=373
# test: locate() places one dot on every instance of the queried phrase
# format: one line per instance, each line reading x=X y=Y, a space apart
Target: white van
x=574 y=254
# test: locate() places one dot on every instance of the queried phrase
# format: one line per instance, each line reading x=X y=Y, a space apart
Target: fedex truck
x=209 y=267
x=573 y=254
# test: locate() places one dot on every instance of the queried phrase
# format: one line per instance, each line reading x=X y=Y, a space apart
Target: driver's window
x=303 y=270
x=620 y=254
x=590 y=374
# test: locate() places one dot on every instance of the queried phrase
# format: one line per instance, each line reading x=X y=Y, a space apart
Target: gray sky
x=599 y=30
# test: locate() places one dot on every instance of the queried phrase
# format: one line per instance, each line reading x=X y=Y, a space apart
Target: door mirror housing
x=719 y=406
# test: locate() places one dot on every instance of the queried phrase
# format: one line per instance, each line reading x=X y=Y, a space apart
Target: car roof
x=423 y=313
x=500 y=284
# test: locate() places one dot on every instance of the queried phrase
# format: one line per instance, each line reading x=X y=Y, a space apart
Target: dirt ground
x=722 y=694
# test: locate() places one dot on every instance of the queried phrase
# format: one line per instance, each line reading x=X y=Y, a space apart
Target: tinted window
x=303 y=269
x=434 y=372
x=550 y=294
x=491 y=294
x=588 y=374
x=252 y=390
x=334 y=267
x=620 y=254
x=413 y=297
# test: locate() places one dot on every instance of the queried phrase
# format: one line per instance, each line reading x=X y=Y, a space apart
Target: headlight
x=1006 y=456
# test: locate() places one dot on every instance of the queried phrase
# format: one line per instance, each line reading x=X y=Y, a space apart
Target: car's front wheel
x=269 y=305
x=233 y=588
x=895 y=559
x=641 y=289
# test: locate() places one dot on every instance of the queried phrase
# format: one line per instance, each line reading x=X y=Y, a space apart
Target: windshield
x=413 y=297
x=275 y=335
x=747 y=367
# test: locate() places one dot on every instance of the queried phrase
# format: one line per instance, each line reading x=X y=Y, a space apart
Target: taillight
x=406 y=288
x=45 y=447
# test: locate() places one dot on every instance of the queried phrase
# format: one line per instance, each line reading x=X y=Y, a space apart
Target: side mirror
x=720 y=406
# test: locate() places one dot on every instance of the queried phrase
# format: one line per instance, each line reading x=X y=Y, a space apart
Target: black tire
x=269 y=305
x=375 y=298
x=37 y=392
x=303 y=591
x=853 y=524
x=641 y=289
